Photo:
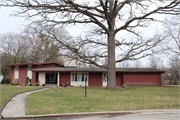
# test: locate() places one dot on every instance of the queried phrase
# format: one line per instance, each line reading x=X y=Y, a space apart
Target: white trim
x=16 y=74
x=79 y=75
x=29 y=72
x=41 y=78
x=58 y=78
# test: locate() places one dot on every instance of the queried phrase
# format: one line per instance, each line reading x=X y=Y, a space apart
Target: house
x=54 y=73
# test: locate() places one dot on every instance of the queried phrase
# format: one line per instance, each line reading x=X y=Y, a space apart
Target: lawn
x=72 y=100
x=8 y=91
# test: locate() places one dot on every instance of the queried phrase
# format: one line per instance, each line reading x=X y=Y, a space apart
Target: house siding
x=22 y=74
x=142 y=79
x=95 y=79
x=12 y=74
x=64 y=78
x=119 y=79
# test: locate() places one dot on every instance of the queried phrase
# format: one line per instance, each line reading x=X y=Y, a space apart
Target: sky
x=14 y=24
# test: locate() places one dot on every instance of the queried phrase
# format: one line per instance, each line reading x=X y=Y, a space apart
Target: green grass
x=8 y=91
x=72 y=100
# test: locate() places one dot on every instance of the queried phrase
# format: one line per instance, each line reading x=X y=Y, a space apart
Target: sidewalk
x=16 y=107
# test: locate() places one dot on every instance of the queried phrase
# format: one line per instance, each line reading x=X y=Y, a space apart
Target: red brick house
x=54 y=73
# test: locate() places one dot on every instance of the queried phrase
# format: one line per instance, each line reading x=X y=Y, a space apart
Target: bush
x=60 y=84
x=15 y=83
x=43 y=85
x=8 y=81
x=5 y=81
x=175 y=83
x=37 y=84
x=27 y=81
x=30 y=84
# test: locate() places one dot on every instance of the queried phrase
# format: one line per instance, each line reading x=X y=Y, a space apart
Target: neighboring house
x=54 y=73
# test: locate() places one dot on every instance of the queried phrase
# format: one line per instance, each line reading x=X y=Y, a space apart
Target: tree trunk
x=111 y=60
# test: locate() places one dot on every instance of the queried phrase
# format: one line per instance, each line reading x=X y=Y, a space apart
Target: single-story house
x=54 y=73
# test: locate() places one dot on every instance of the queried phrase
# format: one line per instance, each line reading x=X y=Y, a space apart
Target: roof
x=123 y=70
x=39 y=63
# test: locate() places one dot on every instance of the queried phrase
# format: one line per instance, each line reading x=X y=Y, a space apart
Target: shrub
x=8 y=81
x=37 y=84
x=15 y=83
x=43 y=85
x=30 y=84
x=60 y=84
x=175 y=83
x=5 y=81
x=72 y=86
x=27 y=81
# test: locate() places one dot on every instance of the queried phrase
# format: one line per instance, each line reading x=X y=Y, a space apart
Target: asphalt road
x=138 y=116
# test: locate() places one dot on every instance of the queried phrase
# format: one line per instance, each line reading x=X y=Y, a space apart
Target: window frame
x=81 y=75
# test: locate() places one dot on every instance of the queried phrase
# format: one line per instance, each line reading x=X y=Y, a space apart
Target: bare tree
x=175 y=66
x=108 y=17
x=15 y=48
x=155 y=62
x=172 y=25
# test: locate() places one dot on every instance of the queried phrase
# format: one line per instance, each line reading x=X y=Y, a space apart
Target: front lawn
x=8 y=91
x=72 y=100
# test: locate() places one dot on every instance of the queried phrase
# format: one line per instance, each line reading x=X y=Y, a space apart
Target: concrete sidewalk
x=16 y=106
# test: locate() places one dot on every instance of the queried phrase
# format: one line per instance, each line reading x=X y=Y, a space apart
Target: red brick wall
x=95 y=79
x=142 y=79
x=12 y=74
x=22 y=74
x=119 y=79
x=33 y=81
x=64 y=78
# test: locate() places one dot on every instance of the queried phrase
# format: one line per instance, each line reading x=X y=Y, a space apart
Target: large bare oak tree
x=109 y=17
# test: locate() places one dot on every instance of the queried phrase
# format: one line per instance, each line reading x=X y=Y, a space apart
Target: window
x=30 y=72
x=104 y=77
x=79 y=77
x=16 y=74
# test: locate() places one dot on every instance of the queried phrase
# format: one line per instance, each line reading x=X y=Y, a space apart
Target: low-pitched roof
x=39 y=63
x=122 y=70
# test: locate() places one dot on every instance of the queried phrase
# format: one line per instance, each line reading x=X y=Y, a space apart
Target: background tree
x=108 y=17
x=172 y=28
x=155 y=62
x=14 y=49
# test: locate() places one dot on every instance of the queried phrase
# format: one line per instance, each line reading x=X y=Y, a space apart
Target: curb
x=97 y=113
x=13 y=97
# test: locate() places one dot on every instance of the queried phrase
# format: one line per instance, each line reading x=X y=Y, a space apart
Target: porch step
x=51 y=85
